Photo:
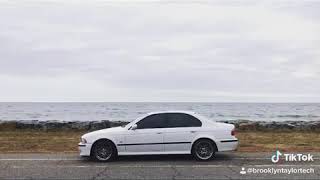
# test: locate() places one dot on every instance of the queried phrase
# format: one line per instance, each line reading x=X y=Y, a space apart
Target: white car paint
x=162 y=140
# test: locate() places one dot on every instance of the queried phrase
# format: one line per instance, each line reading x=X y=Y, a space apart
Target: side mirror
x=134 y=127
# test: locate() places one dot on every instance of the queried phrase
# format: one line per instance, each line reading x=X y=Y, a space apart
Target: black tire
x=103 y=151
x=204 y=150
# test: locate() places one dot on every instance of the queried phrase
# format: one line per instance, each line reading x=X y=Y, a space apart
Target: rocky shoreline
x=59 y=125
x=241 y=125
x=247 y=125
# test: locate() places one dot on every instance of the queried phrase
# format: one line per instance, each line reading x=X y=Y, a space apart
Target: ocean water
x=130 y=111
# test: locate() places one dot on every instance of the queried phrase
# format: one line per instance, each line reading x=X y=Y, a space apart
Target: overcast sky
x=216 y=51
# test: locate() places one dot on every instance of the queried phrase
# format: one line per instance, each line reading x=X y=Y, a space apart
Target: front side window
x=152 y=121
x=182 y=120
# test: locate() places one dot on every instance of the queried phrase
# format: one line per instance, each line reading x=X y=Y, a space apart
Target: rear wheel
x=104 y=151
x=204 y=150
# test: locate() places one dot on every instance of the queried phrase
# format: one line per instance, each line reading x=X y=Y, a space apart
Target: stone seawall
x=241 y=125
x=246 y=125
x=59 y=125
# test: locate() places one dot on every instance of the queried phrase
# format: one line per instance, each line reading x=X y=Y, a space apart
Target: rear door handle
x=193 y=131
x=159 y=132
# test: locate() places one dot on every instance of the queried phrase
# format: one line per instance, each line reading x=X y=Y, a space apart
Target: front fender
x=91 y=139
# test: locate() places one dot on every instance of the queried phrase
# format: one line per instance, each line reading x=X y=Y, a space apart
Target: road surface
x=225 y=166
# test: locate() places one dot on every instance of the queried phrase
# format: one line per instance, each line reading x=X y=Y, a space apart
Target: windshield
x=131 y=123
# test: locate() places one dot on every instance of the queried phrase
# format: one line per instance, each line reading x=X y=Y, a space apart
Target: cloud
x=156 y=51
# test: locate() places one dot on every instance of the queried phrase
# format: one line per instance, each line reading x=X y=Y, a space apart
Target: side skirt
x=153 y=153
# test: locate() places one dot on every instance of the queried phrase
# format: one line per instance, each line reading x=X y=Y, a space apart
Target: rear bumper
x=228 y=145
x=84 y=149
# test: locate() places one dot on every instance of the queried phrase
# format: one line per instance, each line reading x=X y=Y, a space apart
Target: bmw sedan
x=170 y=132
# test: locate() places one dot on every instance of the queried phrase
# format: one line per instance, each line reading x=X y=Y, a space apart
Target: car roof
x=171 y=111
x=200 y=117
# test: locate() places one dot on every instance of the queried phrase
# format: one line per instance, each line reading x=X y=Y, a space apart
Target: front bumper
x=84 y=149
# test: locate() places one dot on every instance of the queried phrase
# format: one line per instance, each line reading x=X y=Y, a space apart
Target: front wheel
x=103 y=151
x=203 y=150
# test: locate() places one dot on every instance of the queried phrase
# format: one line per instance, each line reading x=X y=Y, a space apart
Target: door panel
x=144 y=140
x=181 y=130
x=179 y=139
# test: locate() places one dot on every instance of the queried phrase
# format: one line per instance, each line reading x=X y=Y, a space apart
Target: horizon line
x=156 y=102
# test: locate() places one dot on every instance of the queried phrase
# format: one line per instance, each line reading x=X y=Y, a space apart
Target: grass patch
x=32 y=141
x=39 y=141
x=285 y=141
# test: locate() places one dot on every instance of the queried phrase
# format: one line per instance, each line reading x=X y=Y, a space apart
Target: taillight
x=233 y=132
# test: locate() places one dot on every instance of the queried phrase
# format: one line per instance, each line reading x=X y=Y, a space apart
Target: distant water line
x=129 y=111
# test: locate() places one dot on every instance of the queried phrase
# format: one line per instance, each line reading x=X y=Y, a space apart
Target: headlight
x=83 y=140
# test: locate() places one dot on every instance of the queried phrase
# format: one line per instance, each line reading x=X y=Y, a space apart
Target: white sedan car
x=170 y=132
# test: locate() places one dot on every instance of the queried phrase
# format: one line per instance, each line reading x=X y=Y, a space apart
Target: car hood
x=104 y=131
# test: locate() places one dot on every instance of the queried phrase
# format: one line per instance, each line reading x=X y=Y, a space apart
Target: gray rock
x=79 y=125
x=117 y=123
x=28 y=124
x=247 y=126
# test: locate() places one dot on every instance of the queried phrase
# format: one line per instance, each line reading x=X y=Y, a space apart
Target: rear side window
x=152 y=121
x=182 y=120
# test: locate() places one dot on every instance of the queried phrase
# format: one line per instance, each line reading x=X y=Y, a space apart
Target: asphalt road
x=225 y=166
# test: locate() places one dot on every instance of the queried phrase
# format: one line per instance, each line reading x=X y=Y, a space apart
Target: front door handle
x=159 y=132
x=193 y=131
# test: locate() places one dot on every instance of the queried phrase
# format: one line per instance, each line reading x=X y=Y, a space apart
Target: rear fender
x=206 y=136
